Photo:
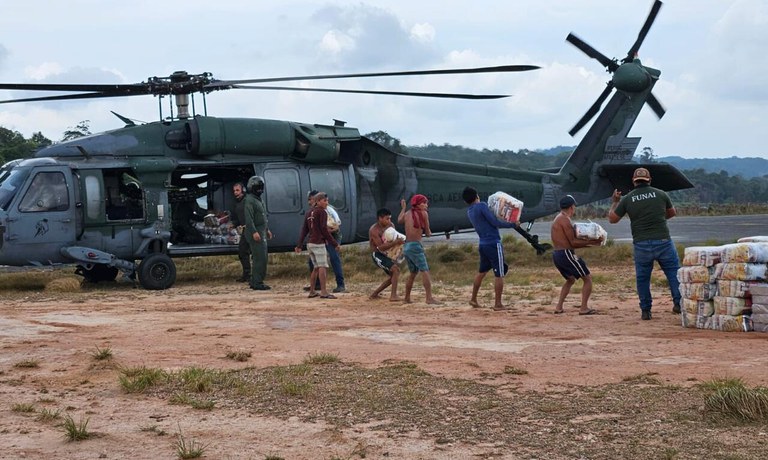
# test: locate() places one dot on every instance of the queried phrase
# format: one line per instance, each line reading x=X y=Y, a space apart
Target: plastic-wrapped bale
x=696 y=274
x=590 y=231
x=505 y=206
x=735 y=288
x=752 y=253
x=753 y=239
x=729 y=323
x=760 y=320
x=731 y=305
x=334 y=221
x=699 y=307
x=741 y=271
x=688 y=319
x=698 y=291
x=696 y=312
x=759 y=289
x=702 y=255
x=395 y=252
x=760 y=299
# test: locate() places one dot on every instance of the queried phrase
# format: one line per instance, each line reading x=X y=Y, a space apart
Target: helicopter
x=123 y=200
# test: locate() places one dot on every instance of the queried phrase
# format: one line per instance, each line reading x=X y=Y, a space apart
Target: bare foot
x=501 y=307
x=395 y=299
x=374 y=297
x=407 y=301
x=434 y=302
x=559 y=311
x=475 y=304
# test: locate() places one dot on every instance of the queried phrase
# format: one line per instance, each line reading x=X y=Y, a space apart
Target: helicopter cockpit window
x=282 y=190
x=330 y=181
x=48 y=192
x=124 y=195
x=10 y=180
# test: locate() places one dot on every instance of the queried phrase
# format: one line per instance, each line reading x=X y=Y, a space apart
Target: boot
x=244 y=278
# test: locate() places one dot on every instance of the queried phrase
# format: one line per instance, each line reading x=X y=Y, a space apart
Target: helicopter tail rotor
x=627 y=75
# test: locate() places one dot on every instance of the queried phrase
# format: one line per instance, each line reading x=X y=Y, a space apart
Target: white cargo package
x=696 y=274
x=590 y=231
x=753 y=239
x=698 y=291
x=395 y=252
x=505 y=206
x=745 y=253
x=702 y=255
x=741 y=271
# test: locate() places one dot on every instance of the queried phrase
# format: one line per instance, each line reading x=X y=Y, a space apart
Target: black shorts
x=569 y=264
x=383 y=262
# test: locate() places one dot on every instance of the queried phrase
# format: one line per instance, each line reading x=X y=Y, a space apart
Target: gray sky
x=710 y=53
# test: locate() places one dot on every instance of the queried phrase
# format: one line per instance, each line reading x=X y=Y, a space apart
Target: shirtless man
x=378 y=253
x=416 y=222
x=567 y=262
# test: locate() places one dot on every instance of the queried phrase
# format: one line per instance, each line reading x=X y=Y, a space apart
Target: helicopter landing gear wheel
x=97 y=273
x=156 y=272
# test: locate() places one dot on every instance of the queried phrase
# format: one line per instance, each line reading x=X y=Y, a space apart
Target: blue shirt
x=486 y=224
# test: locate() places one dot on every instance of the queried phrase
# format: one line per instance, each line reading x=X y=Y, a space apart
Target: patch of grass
x=76 y=431
x=102 y=354
x=240 y=356
x=24 y=408
x=514 y=370
x=321 y=358
x=138 y=379
x=188 y=400
x=731 y=400
x=27 y=364
x=186 y=448
x=48 y=415
x=647 y=379
x=198 y=379
x=153 y=429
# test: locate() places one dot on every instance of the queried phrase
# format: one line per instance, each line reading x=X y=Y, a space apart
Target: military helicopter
x=122 y=200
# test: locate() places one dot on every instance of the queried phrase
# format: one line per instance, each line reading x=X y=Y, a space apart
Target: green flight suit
x=256 y=221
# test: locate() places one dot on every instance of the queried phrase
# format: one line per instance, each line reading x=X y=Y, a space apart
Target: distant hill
x=745 y=167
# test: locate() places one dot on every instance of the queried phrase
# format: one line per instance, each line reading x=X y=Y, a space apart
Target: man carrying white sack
x=491 y=251
x=571 y=266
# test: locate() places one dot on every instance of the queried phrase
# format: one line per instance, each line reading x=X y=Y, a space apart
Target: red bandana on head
x=418 y=215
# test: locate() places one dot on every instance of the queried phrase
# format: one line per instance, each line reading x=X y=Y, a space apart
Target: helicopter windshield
x=11 y=179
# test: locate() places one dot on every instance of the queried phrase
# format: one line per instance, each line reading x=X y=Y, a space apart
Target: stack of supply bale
x=720 y=294
x=698 y=285
x=758 y=293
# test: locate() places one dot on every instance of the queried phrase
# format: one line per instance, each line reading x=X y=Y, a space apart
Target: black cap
x=567 y=201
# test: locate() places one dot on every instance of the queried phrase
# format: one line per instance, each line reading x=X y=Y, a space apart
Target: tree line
x=710 y=188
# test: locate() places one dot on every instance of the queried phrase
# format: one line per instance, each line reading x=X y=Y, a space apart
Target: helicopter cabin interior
x=201 y=201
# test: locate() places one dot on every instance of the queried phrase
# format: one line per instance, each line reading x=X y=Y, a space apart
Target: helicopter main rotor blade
x=592 y=110
x=644 y=31
x=655 y=105
x=503 y=68
x=117 y=88
x=610 y=64
x=65 y=97
x=389 y=93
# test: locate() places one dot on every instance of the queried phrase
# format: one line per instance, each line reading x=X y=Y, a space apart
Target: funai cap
x=641 y=174
x=567 y=201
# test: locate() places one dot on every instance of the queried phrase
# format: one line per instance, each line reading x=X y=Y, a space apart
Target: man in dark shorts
x=571 y=266
x=380 y=258
x=491 y=251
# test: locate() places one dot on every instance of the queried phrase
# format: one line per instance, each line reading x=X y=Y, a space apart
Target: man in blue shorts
x=571 y=266
x=416 y=221
x=491 y=251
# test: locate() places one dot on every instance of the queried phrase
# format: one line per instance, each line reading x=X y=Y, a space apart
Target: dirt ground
x=198 y=324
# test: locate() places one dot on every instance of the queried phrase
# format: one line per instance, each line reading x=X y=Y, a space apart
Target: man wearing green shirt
x=257 y=232
x=648 y=209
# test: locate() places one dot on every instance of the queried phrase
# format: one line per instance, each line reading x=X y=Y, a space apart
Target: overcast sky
x=711 y=53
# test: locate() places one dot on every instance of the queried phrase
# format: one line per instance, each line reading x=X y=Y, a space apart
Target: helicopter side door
x=285 y=197
x=42 y=220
